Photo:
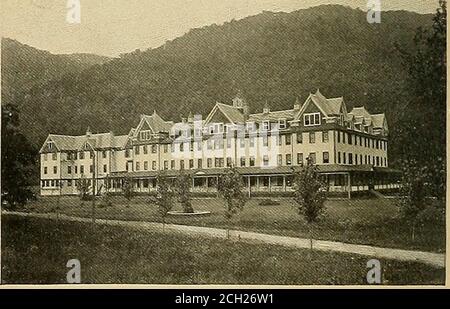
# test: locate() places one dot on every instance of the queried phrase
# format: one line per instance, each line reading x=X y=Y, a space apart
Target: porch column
x=249 y=187
x=284 y=183
x=270 y=184
x=349 y=183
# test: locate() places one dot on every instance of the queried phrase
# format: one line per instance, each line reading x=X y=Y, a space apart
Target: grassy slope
x=36 y=251
x=370 y=221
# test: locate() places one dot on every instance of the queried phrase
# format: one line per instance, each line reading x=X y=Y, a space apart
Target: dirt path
x=430 y=258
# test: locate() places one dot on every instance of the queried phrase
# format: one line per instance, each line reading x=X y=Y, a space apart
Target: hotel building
x=349 y=148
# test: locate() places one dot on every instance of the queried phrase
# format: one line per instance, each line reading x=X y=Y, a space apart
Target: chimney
x=266 y=108
x=190 y=117
x=297 y=104
x=88 y=132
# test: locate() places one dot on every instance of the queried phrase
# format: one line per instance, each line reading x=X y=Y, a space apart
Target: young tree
x=83 y=187
x=309 y=194
x=164 y=195
x=128 y=190
x=231 y=188
x=18 y=161
x=183 y=185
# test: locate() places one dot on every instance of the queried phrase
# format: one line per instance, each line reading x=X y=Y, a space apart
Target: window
x=209 y=162
x=145 y=165
x=145 y=149
x=265 y=160
x=154 y=147
x=172 y=164
x=105 y=168
x=69 y=170
x=191 y=163
x=199 y=163
x=136 y=150
x=229 y=162
x=166 y=165
x=350 y=138
x=45 y=170
x=312 y=137
x=55 y=169
x=54 y=156
x=209 y=144
x=280 y=160
x=199 y=146
x=242 y=142
x=299 y=158
x=278 y=140
x=343 y=137
x=344 y=157
x=266 y=125
x=91 y=154
x=82 y=169
x=339 y=157
x=325 y=137
x=338 y=137
x=326 y=157
x=312 y=157
x=127 y=153
x=252 y=161
x=350 y=158
x=356 y=159
x=250 y=126
x=69 y=182
x=312 y=119
x=288 y=159
x=76 y=169
x=265 y=141
x=154 y=165
x=138 y=166
x=282 y=123
x=242 y=161
x=299 y=137
x=252 y=141
x=181 y=147
x=288 y=139
x=45 y=157
x=182 y=164
x=145 y=135
x=104 y=154
x=228 y=142
x=172 y=147
x=50 y=145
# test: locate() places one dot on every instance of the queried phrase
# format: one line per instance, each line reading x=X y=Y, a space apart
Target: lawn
x=37 y=250
x=361 y=221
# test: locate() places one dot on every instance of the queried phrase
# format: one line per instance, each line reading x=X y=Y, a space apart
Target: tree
x=421 y=131
x=164 y=195
x=19 y=159
x=128 y=190
x=83 y=187
x=183 y=189
x=412 y=193
x=309 y=194
x=231 y=188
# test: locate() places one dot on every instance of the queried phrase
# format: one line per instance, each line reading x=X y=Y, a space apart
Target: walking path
x=430 y=258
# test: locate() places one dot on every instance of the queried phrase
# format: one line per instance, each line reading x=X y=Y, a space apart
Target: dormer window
x=266 y=125
x=250 y=126
x=282 y=123
x=312 y=119
x=50 y=145
x=145 y=135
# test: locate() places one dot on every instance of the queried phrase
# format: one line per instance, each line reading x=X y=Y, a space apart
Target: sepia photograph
x=248 y=143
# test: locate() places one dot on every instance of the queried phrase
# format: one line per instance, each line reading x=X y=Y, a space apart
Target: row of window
x=74 y=169
x=350 y=158
x=76 y=155
x=55 y=183
x=348 y=138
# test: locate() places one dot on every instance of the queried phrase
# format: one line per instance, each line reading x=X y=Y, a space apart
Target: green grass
x=36 y=251
x=361 y=221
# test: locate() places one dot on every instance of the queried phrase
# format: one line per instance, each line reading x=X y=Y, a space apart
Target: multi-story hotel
x=350 y=149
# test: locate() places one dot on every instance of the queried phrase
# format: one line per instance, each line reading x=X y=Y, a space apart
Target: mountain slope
x=24 y=66
x=270 y=56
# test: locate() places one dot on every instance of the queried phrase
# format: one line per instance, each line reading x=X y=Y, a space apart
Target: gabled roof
x=378 y=120
x=329 y=107
x=273 y=116
x=233 y=114
x=97 y=141
x=156 y=123
x=361 y=112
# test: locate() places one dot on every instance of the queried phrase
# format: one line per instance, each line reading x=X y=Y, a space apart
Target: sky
x=111 y=27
